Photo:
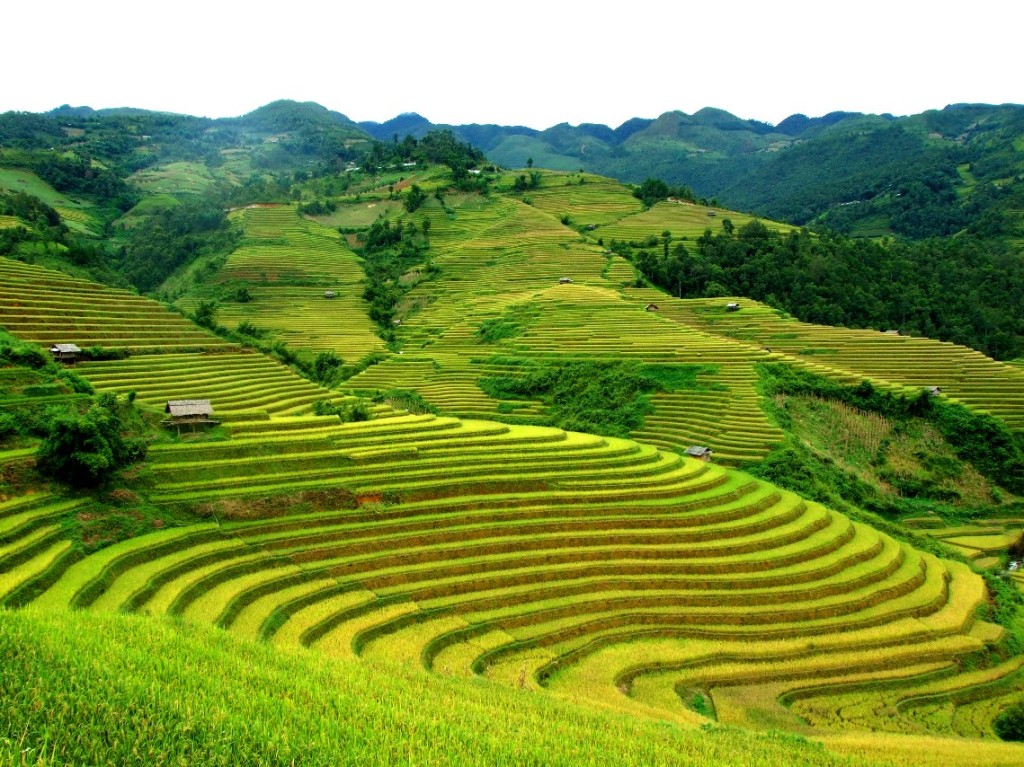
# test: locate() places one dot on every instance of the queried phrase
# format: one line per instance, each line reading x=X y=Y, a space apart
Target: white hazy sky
x=525 y=62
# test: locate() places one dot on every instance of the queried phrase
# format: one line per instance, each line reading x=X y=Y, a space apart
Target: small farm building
x=891 y=332
x=699 y=451
x=329 y=294
x=189 y=412
x=712 y=213
x=65 y=352
x=733 y=307
x=564 y=280
x=651 y=307
x=935 y=391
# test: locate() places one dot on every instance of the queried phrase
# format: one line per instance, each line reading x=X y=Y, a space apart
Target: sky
x=514 y=63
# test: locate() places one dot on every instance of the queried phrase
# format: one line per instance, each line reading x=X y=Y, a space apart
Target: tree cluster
x=959 y=289
x=84 y=449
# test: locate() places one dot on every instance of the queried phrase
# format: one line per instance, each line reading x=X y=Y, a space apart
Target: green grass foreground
x=82 y=688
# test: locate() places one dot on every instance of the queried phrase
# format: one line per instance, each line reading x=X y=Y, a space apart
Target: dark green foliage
x=497 y=329
x=246 y=328
x=672 y=378
x=599 y=397
x=955 y=289
x=1006 y=607
x=205 y=314
x=73 y=381
x=78 y=175
x=1009 y=725
x=174 y=236
x=404 y=399
x=318 y=208
x=1016 y=551
x=96 y=353
x=414 y=199
x=15 y=352
x=31 y=210
x=325 y=368
x=979 y=439
x=346 y=412
x=654 y=190
x=388 y=252
x=8 y=427
x=83 y=450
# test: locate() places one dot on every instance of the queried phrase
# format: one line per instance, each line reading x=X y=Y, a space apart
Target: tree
x=529 y=162
x=415 y=198
x=84 y=450
x=651 y=191
x=325 y=367
x=205 y=314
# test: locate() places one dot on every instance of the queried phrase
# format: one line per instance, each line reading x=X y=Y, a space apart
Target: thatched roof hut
x=699 y=451
x=189 y=412
x=65 y=352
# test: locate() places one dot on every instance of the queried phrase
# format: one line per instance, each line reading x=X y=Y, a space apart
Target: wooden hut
x=934 y=391
x=732 y=307
x=189 y=412
x=329 y=294
x=891 y=333
x=651 y=308
x=699 y=452
x=65 y=353
x=564 y=280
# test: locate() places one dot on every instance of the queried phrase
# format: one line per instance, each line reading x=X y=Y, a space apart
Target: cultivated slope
x=603 y=568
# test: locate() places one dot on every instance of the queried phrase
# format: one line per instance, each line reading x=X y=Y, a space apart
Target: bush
x=205 y=315
x=84 y=450
x=8 y=426
x=1009 y=725
x=601 y=398
x=97 y=353
x=14 y=352
x=325 y=367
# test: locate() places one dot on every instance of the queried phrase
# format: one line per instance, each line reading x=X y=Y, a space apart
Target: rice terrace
x=322 y=444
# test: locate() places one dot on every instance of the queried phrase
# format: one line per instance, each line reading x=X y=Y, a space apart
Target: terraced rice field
x=983 y=542
x=34 y=547
x=682 y=219
x=963 y=374
x=287 y=264
x=596 y=201
x=497 y=255
x=174 y=178
x=48 y=307
x=531 y=555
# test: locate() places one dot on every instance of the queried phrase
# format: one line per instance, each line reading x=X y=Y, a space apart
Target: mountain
x=925 y=175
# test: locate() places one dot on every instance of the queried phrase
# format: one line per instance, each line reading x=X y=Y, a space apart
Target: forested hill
x=132 y=197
